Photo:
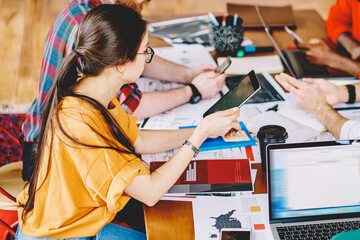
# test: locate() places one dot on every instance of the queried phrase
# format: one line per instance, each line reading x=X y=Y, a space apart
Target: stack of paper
x=182 y=30
x=261 y=64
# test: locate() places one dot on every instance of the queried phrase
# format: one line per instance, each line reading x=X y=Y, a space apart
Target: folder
x=275 y=17
x=219 y=143
x=215 y=175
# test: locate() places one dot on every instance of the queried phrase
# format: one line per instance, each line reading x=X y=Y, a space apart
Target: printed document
x=246 y=211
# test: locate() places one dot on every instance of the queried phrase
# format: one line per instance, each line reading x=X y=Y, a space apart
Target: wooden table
x=174 y=219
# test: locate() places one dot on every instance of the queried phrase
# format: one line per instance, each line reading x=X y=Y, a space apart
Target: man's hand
x=355 y=53
x=351 y=45
x=201 y=69
x=333 y=94
x=308 y=97
x=209 y=83
x=318 y=52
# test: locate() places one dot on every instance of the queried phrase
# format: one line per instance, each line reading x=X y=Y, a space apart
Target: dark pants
x=28 y=158
x=133 y=215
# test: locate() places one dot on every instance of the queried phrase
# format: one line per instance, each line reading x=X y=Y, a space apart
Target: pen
x=144 y=122
x=212 y=194
x=192 y=42
x=294 y=35
x=213 y=19
x=235 y=19
x=224 y=194
x=224 y=20
x=198 y=194
x=253 y=49
x=186 y=127
x=346 y=108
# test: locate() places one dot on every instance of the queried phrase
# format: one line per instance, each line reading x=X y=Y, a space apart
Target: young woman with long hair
x=88 y=162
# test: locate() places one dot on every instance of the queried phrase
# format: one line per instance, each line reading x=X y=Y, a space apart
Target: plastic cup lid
x=272 y=133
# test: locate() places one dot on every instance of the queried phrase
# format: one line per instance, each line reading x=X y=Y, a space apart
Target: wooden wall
x=24 y=25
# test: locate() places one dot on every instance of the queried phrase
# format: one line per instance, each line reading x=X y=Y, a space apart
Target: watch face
x=195 y=99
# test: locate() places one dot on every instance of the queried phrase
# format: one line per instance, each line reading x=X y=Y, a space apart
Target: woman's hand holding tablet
x=237 y=95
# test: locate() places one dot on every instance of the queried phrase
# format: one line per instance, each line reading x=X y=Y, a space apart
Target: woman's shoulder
x=76 y=105
x=74 y=110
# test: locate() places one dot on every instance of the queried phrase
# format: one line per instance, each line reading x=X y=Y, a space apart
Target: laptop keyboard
x=316 y=231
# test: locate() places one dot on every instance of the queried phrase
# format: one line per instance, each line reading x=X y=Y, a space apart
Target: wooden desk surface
x=173 y=219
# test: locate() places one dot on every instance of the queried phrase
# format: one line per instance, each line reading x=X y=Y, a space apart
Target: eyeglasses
x=149 y=54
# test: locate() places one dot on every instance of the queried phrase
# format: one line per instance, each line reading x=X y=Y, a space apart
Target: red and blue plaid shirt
x=59 y=43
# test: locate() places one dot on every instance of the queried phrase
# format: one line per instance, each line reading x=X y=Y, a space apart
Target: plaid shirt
x=60 y=42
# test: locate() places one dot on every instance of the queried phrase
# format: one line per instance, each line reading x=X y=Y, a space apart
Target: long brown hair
x=109 y=35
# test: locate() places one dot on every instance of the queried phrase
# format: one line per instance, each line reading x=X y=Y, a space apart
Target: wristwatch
x=196 y=97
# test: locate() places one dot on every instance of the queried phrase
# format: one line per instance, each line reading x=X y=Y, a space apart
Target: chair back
x=11 y=184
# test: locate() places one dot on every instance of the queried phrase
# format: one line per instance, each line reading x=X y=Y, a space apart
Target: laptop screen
x=313 y=179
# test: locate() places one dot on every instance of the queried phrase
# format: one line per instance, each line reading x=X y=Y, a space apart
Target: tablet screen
x=237 y=95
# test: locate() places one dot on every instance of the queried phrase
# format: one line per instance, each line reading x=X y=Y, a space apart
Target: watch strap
x=196 y=97
x=192 y=147
x=352 y=93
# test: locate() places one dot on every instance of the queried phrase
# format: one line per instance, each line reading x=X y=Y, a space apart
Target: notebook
x=313 y=189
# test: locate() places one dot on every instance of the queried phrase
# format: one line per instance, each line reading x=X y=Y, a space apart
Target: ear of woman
x=120 y=69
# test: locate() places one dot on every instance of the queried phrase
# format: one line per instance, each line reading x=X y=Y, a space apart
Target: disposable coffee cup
x=270 y=134
x=226 y=39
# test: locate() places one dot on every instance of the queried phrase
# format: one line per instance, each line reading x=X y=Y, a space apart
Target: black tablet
x=237 y=95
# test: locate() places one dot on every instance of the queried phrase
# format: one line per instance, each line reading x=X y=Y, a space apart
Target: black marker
x=253 y=49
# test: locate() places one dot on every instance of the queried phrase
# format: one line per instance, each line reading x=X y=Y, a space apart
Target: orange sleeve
x=339 y=19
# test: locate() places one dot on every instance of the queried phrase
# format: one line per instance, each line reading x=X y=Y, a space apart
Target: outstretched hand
x=333 y=94
x=308 y=97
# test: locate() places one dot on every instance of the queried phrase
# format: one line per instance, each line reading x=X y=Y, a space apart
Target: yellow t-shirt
x=84 y=187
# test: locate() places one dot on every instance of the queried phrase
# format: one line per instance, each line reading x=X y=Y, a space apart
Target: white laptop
x=314 y=189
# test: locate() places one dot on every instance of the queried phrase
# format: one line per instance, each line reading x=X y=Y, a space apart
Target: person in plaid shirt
x=61 y=41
